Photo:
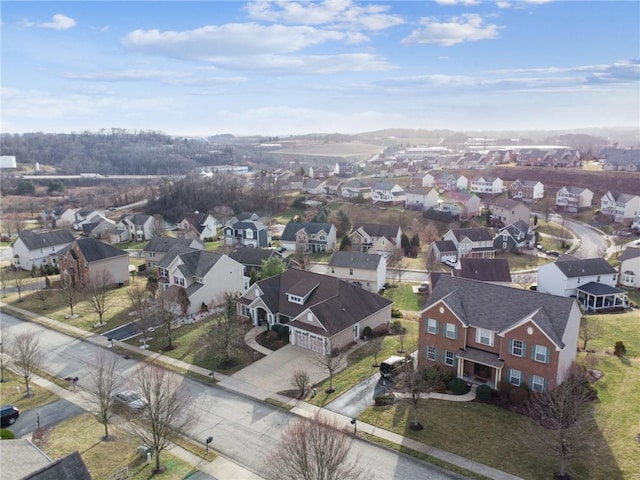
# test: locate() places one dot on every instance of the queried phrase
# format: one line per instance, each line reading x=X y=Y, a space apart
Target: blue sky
x=278 y=68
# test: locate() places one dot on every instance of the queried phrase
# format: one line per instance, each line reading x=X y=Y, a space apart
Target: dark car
x=9 y=415
x=393 y=365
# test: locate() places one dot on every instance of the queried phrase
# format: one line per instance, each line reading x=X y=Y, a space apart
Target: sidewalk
x=300 y=408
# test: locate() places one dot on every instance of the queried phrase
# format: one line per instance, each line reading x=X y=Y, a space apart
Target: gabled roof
x=164 y=244
x=34 y=240
x=576 y=190
x=621 y=197
x=337 y=304
x=420 y=190
x=378 y=230
x=508 y=203
x=584 y=267
x=446 y=246
x=629 y=253
x=484 y=269
x=138 y=219
x=291 y=229
x=479 y=234
x=363 y=261
x=71 y=467
x=249 y=225
x=498 y=308
x=195 y=263
x=457 y=196
x=253 y=257
x=94 y=250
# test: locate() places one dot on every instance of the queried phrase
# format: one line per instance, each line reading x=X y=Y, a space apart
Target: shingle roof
x=365 y=261
x=33 y=240
x=595 y=288
x=507 y=203
x=584 y=267
x=195 y=263
x=474 y=234
x=484 y=269
x=629 y=253
x=253 y=256
x=290 y=230
x=94 y=250
x=71 y=467
x=378 y=230
x=337 y=304
x=497 y=307
x=164 y=244
x=446 y=246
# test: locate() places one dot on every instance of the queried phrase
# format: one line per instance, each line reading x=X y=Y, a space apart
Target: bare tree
x=331 y=360
x=226 y=334
x=416 y=382
x=4 y=280
x=167 y=414
x=300 y=381
x=315 y=450
x=158 y=226
x=590 y=329
x=562 y=409
x=141 y=302
x=18 y=283
x=5 y=360
x=106 y=383
x=97 y=292
x=43 y=292
x=168 y=310
x=373 y=347
x=69 y=292
x=27 y=356
x=564 y=233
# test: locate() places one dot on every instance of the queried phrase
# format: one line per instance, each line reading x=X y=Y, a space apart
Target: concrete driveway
x=275 y=371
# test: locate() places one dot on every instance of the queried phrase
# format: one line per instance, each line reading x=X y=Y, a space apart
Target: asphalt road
x=49 y=414
x=592 y=243
x=244 y=430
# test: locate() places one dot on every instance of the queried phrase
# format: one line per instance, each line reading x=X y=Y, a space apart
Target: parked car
x=392 y=366
x=131 y=400
x=423 y=287
x=552 y=253
x=9 y=415
x=449 y=263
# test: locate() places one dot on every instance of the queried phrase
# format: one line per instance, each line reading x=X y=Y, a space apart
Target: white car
x=450 y=263
x=131 y=400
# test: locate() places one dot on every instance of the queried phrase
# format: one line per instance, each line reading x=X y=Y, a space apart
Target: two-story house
x=481 y=184
x=526 y=190
x=375 y=238
x=472 y=242
x=445 y=181
x=592 y=281
x=514 y=236
x=157 y=247
x=207 y=277
x=365 y=270
x=462 y=204
x=139 y=227
x=320 y=171
x=622 y=206
x=388 y=193
x=421 y=198
x=253 y=258
x=38 y=248
x=344 y=169
x=509 y=211
x=487 y=334
x=313 y=186
x=248 y=233
x=59 y=217
x=356 y=189
x=629 y=268
x=88 y=258
x=309 y=237
x=201 y=225
x=323 y=313
x=574 y=199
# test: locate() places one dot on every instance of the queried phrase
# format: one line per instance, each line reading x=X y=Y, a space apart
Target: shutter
x=524 y=350
x=510 y=347
x=437 y=326
x=533 y=352
x=548 y=357
x=455 y=333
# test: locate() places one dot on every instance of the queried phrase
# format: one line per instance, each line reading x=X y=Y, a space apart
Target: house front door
x=482 y=371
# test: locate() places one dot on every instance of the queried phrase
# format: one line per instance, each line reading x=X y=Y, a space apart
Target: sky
x=272 y=67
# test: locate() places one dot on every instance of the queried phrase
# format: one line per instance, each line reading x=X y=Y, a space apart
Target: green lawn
x=132 y=245
x=403 y=297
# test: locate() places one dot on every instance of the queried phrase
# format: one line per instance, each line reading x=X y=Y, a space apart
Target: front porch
x=595 y=296
x=478 y=367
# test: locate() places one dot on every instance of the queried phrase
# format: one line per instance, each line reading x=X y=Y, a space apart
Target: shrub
x=519 y=395
x=619 y=350
x=381 y=330
x=6 y=434
x=397 y=328
x=385 y=399
x=483 y=393
x=275 y=328
x=283 y=332
x=505 y=387
x=367 y=332
x=457 y=386
x=395 y=313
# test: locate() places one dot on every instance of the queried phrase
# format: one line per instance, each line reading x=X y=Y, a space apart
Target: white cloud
x=503 y=4
x=155 y=76
x=328 y=12
x=458 y=2
x=58 y=22
x=466 y=28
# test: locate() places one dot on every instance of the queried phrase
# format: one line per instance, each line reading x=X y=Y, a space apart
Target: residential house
x=375 y=238
x=313 y=186
x=88 y=258
x=200 y=225
x=23 y=460
x=59 y=217
x=248 y=233
x=295 y=182
x=319 y=172
x=472 y=242
x=526 y=190
x=323 y=313
x=514 y=236
x=139 y=227
x=332 y=186
x=493 y=270
x=309 y=237
x=445 y=181
x=622 y=206
x=509 y=211
x=356 y=189
x=620 y=159
x=462 y=204
x=443 y=251
x=482 y=184
x=388 y=193
x=635 y=223
x=104 y=229
x=486 y=333
x=35 y=248
x=629 y=268
x=252 y=258
x=83 y=216
x=157 y=247
x=365 y=270
x=574 y=198
x=344 y=169
x=421 y=198
x=591 y=281
x=206 y=276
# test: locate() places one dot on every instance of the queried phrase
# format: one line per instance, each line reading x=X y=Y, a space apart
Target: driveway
x=49 y=415
x=275 y=371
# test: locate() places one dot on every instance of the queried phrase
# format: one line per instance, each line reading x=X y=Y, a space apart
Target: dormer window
x=295 y=299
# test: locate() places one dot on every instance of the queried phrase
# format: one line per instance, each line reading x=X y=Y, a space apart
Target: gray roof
x=508 y=203
x=195 y=263
x=598 y=289
x=34 y=240
x=71 y=467
x=629 y=253
x=365 y=261
x=290 y=230
x=497 y=307
x=474 y=234
x=253 y=257
x=484 y=269
x=337 y=304
x=585 y=267
x=164 y=244
x=378 y=230
x=20 y=458
x=139 y=219
x=446 y=246
x=94 y=250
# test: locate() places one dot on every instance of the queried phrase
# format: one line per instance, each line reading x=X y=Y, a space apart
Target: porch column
x=460 y=367
x=498 y=378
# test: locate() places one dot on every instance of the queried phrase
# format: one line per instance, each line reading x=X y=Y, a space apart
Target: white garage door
x=310 y=341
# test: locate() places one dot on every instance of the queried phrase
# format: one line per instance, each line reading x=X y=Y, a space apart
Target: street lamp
x=355 y=426
x=207 y=442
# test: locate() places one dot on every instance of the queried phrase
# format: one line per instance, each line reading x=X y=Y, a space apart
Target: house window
x=432 y=326
x=484 y=336
x=295 y=299
x=178 y=281
x=351 y=271
x=431 y=353
x=249 y=233
x=449 y=359
x=164 y=272
x=244 y=310
x=152 y=254
x=537 y=383
x=515 y=377
x=517 y=348
x=451 y=331
x=541 y=354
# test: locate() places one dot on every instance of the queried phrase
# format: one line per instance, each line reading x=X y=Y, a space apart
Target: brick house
x=487 y=333
x=526 y=190
x=87 y=257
